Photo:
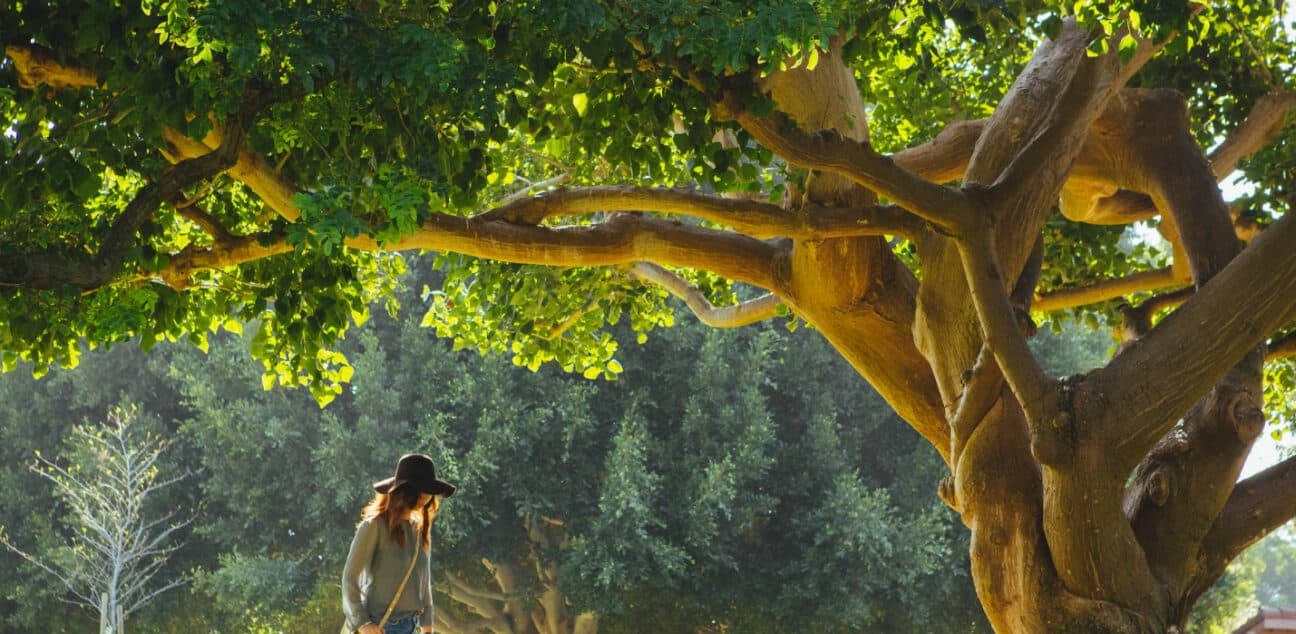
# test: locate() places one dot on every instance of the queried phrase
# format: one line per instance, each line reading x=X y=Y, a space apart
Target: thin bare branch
x=1155 y=279
x=736 y=316
x=532 y=188
x=68 y=582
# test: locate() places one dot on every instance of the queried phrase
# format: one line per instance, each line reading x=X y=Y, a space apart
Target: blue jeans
x=407 y=625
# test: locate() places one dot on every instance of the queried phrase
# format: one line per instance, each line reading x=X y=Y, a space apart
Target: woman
x=394 y=529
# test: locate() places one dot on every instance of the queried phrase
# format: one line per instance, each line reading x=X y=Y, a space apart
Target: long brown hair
x=402 y=504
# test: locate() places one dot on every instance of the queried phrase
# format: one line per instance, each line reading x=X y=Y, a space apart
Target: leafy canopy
x=384 y=113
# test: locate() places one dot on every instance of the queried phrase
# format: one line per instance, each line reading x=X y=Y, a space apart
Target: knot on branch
x=730 y=99
x=829 y=135
x=1246 y=417
x=948 y=492
x=1053 y=442
x=1134 y=323
x=1053 y=438
x=1158 y=487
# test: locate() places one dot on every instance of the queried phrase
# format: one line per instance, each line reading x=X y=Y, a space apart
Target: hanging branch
x=736 y=316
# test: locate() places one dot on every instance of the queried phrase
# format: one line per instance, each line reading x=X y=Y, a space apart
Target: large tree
x=172 y=163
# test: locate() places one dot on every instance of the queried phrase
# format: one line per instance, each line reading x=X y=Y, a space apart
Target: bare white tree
x=115 y=549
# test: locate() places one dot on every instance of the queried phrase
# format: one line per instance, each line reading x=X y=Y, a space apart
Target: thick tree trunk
x=1057 y=542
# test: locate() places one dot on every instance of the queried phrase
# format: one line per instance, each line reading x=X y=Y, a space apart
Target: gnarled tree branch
x=1253 y=296
x=829 y=151
x=621 y=239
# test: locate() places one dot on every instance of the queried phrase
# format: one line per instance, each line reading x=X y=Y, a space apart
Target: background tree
x=169 y=166
x=584 y=499
x=552 y=447
x=117 y=546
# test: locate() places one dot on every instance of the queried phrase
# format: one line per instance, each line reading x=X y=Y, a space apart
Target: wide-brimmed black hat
x=415 y=470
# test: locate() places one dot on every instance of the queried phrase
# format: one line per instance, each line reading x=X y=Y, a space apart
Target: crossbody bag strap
x=401 y=588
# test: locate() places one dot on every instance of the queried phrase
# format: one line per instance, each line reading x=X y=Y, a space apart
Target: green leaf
x=1127 y=48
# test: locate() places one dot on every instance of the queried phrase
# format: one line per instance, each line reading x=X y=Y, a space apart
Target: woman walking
x=387 y=581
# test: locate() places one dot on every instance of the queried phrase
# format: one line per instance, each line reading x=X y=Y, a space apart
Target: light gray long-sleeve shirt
x=373 y=571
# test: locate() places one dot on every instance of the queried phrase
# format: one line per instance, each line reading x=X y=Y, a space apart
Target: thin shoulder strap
x=418 y=545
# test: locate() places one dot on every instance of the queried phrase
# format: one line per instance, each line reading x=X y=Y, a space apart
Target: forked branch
x=830 y=151
x=1002 y=335
x=621 y=239
x=48 y=269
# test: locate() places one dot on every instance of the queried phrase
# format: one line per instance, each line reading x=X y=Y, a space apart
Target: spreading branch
x=945 y=157
x=621 y=239
x=1264 y=121
x=1258 y=506
x=1251 y=298
x=48 y=270
x=756 y=219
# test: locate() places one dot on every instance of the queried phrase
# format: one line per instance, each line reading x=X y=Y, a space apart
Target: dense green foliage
x=690 y=493
x=386 y=112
